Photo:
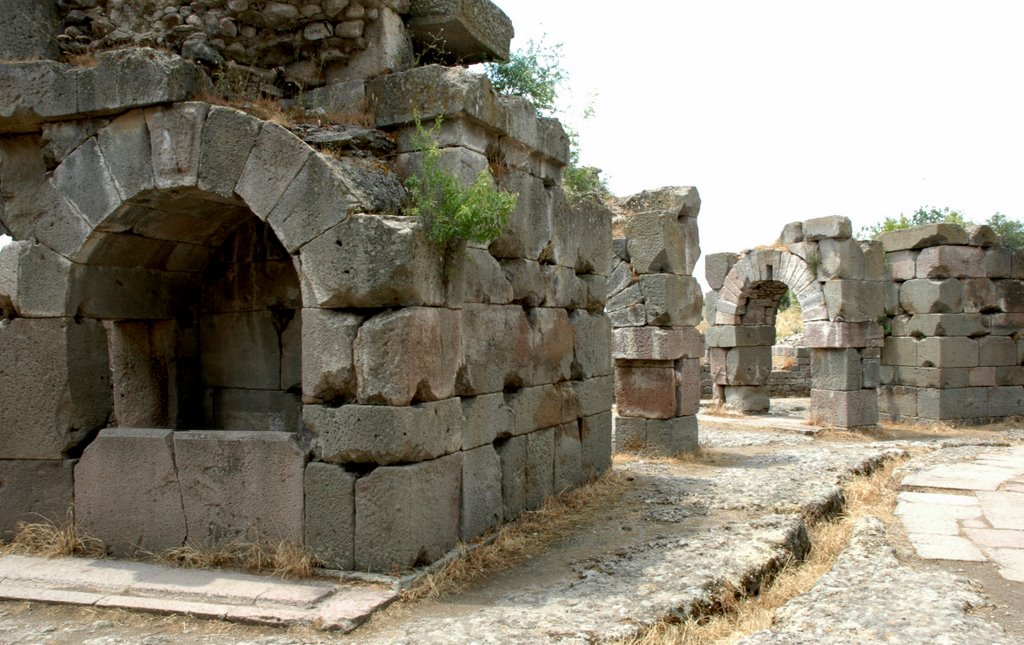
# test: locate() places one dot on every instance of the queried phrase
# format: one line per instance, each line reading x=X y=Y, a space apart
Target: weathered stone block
x=595 y=395
x=592 y=336
x=948 y=351
x=552 y=347
x=481 y=492
x=328 y=370
x=902 y=264
x=409 y=354
x=407 y=515
x=568 y=460
x=842 y=259
x=998 y=262
x=922 y=325
x=84 y=180
x=1010 y=375
x=496 y=342
x=134 y=77
x=687 y=386
x=483 y=280
x=920 y=237
x=1005 y=324
x=672 y=300
x=940 y=377
x=597 y=291
x=562 y=288
x=256 y=410
x=997 y=350
x=330 y=514
x=852 y=409
x=33 y=281
x=380 y=434
x=29 y=31
x=228 y=139
x=256 y=483
x=656 y=243
x=854 y=300
x=125 y=146
x=739 y=335
x=175 y=139
x=871 y=366
x=512 y=453
x=874 y=261
x=926 y=296
x=54 y=384
x=900 y=351
x=981 y=377
x=648 y=343
x=526 y=280
x=1005 y=401
x=596 y=444
x=484 y=419
x=544 y=406
x=834 y=226
x=836 y=369
x=748 y=365
x=540 y=468
x=460 y=31
x=951 y=262
x=980 y=295
x=34 y=489
x=372 y=261
x=274 y=161
x=645 y=390
x=629 y=433
x=672 y=436
x=825 y=334
x=898 y=402
x=952 y=403
x=747 y=399
x=529 y=229
x=1010 y=295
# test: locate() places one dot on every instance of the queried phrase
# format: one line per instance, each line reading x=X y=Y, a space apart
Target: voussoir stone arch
x=765 y=266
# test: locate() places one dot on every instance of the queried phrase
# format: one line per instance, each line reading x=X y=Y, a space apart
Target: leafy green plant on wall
x=450 y=210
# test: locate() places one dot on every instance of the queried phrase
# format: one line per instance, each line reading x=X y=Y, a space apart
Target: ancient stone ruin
x=921 y=325
x=215 y=326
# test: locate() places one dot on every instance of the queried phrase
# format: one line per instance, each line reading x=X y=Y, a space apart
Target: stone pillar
x=654 y=304
x=28 y=30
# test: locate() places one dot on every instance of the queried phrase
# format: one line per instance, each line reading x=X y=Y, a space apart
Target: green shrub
x=450 y=210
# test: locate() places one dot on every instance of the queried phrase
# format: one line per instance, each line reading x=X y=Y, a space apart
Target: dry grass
x=790 y=321
x=784 y=362
x=517 y=541
x=284 y=559
x=738 y=616
x=52 y=539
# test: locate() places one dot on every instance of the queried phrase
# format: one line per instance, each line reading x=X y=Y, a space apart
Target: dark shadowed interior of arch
x=202 y=308
x=763 y=302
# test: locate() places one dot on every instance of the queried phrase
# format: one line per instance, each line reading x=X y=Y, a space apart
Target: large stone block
x=409 y=354
x=833 y=226
x=596 y=444
x=595 y=395
x=926 y=296
x=372 y=261
x=481 y=492
x=836 y=369
x=951 y=262
x=739 y=335
x=407 y=515
x=460 y=31
x=997 y=350
x=257 y=410
x=656 y=243
x=998 y=262
x=388 y=48
x=496 y=348
x=175 y=138
x=330 y=513
x=902 y=264
x=484 y=419
x=552 y=347
x=748 y=365
x=568 y=461
x=948 y=351
x=512 y=454
x=900 y=351
x=529 y=228
x=29 y=30
x=85 y=181
x=920 y=237
x=897 y=402
x=126 y=491
x=562 y=288
x=840 y=259
x=653 y=343
x=328 y=368
x=544 y=406
x=854 y=300
x=980 y=295
x=594 y=228
x=33 y=490
x=826 y=334
x=228 y=139
x=922 y=325
x=629 y=434
x=747 y=399
x=125 y=146
x=940 y=377
x=33 y=281
x=1006 y=401
x=592 y=337
x=134 y=77
x=687 y=386
x=717 y=266
x=674 y=436
x=645 y=390
x=275 y=159
x=233 y=483
x=540 y=467
x=853 y=409
x=952 y=403
x=483 y=280
x=380 y=434
x=527 y=281
x=1010 y=295
x=54 y=384
x=672 y=300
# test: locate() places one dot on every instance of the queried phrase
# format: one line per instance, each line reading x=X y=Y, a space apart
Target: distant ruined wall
x=212 y=324
x=654 y=304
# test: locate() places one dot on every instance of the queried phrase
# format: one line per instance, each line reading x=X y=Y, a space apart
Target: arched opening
x=202 y=308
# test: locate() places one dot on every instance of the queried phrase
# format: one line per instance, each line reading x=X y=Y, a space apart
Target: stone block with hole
x=951 y=262
x=407 y=515
x=948 y=351
x=656 y=243
x=928 y=296
x=381 y=434
x=496 y=348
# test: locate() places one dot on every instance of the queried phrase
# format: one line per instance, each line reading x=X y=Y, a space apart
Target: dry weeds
x=738 y=616
x=517 y=541
x=283 y=559
x=55 y=539
x=790 y=321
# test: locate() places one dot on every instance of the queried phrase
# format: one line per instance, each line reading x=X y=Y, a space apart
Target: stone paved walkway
x=980 y=518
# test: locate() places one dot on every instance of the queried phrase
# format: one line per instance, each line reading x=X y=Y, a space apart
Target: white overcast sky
x=786 y=110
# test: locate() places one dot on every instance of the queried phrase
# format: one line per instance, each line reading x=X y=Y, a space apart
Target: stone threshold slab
x=223 y=595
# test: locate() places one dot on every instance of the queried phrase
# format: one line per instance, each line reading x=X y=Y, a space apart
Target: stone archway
x=839 y=284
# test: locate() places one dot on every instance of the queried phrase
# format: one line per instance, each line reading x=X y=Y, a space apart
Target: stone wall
x=211 y=326
x=654 y=305
x=790 y=377
x=955 y=312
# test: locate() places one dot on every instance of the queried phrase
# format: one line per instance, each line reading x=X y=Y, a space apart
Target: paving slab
x=1011 y=563
x=226 y=595
x=995 y=538
x=973 y=477
x=945 y=547
x=1002 y=509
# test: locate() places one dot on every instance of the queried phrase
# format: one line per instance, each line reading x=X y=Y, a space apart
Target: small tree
x=1011 y=230
x=534 y=73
